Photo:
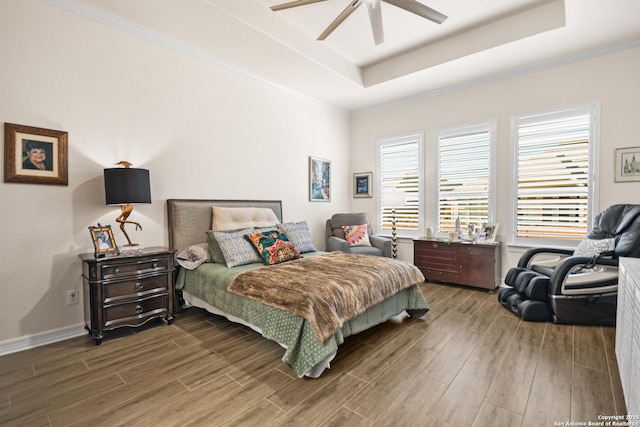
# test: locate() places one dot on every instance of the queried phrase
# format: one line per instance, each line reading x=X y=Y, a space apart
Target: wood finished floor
x=469 y=362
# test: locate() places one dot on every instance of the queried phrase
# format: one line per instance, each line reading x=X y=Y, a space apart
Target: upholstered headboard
x=189 y=218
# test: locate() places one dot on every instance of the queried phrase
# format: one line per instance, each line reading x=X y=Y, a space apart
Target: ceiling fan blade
x=419 y=9
x=375 y=17
x=293 y=4
x=340 y=19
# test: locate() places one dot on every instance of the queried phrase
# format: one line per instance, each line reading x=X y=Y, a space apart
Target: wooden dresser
x=127 y=290
x=471 y=264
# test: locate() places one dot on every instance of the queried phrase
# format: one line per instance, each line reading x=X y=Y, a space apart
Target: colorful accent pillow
x=356 y=235
x=273 y=246
x=235 y=249
x=299 y=234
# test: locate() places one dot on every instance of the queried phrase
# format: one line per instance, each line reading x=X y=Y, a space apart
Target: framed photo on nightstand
x=103 y=241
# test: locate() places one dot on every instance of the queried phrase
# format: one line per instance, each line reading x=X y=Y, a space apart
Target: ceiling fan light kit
x=375 y=14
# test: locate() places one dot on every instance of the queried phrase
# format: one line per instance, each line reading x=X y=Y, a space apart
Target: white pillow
x=592 y=247
x=194 y=256
x=236 y=218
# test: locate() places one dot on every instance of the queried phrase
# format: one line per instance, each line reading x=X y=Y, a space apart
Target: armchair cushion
x=356 y=235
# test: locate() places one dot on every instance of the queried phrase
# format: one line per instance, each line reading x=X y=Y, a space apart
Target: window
x=465 y=178
x=400 y=168
x=554 y=173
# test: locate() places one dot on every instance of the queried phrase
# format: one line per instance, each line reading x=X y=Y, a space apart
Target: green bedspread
x=209 y=282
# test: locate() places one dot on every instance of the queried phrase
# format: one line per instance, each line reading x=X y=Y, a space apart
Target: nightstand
x=127 y=290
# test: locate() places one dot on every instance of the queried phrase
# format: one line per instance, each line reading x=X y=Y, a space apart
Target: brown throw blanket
x=329 y=289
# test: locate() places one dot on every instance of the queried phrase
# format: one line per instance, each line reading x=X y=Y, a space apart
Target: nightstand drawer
x=135 y=288
x=136 y=266
x=136 y=312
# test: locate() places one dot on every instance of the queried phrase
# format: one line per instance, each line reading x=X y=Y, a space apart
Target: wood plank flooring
x=468 y=362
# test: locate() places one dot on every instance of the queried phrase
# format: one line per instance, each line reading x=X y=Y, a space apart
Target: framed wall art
x=627 y=164
x=319 y=180
x=34 y=155
x=362 y=184
x=103 y=241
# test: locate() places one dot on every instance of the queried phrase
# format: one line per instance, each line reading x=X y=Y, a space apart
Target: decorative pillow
x=591 y=247
x=356 y=235
x=237 y=218
x=214 y=247
x=299 y=234
x=235 y=248
x=273 y=246
x=194 y=256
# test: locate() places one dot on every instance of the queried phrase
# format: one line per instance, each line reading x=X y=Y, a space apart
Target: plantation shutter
x=464 y=176
x=553 y=175
x=399 y=165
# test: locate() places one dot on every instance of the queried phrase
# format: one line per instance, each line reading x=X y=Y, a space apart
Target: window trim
x=593 y=109
x=401 y=139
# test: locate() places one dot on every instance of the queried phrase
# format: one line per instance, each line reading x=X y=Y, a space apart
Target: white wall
x=610 y=80
x=206 y=132
x=202 y=131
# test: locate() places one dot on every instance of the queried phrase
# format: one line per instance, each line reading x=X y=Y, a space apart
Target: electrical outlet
x=72 y=297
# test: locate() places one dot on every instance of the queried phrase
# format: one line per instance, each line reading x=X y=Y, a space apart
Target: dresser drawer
x=135 y=312
x=134 y=288
x=135 y=266
x=436 y=256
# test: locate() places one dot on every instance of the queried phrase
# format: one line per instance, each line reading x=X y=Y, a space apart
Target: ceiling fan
x=375 y=15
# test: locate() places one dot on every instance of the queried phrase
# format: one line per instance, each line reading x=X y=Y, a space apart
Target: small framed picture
x=34 y=155
x=103 y=240
x=488 y=235
x=362 y=184
x=319 y=180
x=627 y=164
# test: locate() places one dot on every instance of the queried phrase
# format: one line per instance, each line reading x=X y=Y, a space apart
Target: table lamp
x=124 y=186
x=393 y=199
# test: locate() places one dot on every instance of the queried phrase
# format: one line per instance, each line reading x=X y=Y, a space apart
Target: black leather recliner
x=571 y=286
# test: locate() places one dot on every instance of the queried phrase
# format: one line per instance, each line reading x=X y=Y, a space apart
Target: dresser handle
x=116 y=270
x=138 y=309
x=139 y=286
x=154 y=265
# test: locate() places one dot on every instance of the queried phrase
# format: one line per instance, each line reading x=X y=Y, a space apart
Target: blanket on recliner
x=623 y=223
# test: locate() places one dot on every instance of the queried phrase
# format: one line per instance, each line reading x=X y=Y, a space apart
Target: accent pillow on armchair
x=335 y=236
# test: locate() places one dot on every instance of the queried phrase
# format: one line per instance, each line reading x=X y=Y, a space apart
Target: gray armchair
x=334 y=236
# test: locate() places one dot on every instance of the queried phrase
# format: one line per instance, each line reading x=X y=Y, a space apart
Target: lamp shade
x=126 y=185
x=393 y=198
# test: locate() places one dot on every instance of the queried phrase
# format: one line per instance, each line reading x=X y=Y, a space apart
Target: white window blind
x=464 y=175
x=553 y=174
x=399 y=166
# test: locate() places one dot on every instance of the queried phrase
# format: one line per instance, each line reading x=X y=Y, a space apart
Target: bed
x=310 y=344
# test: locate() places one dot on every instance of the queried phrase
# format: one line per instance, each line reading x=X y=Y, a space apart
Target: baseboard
x=32 y=341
